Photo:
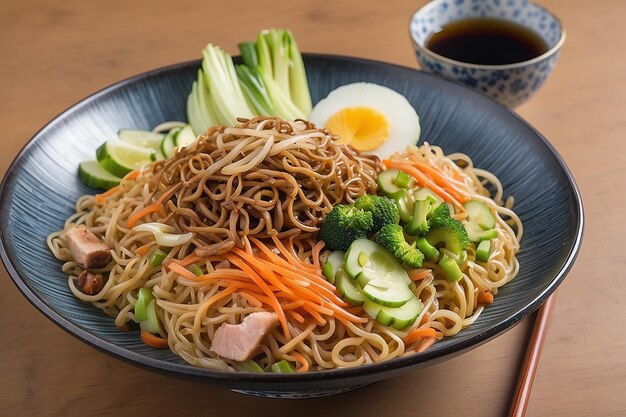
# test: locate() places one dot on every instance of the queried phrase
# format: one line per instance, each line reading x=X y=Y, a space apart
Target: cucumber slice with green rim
x=386 y=293
x=347 y=290
x=404 y=208
x=185 y=137
x=480 y=214
x=476 y=234
x=169 y=143
x=334 y=261
x=143 y=138
x=450 y=268
x=120 y=158
x=483 y=251
x=397 y=317
x=380 y=263
x=425 y=192
x=386 y=182
x=92 y=174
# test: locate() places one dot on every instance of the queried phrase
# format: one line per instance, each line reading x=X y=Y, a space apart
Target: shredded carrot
x=419 y=333
x=166 y=195
x=485 y=298
x=418 y=274
x=154 y=341
x=143 y=212
x=132 y=175
x=292 y=305
x=442 y=181
x=251 y=299
x=182 y=271
x=422 y=179
x=101 y=197
x=425 y=319
x=302 y=361
x=143 y=249
x=295 y=315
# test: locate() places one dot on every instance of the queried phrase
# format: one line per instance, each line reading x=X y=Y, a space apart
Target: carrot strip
x=132 y=175
x=290 y=256
x=295 y=315
x=418 y=274
x=485 y=298
x=425 y=319
x=154 y=341
x=293 y=305
x=261 y=283
x=314 y=314
x=182 y=271
x=166 y=195
x=101 y=197
x=302 y=361
x=141 y=213
x=251 y=299
x=441 y=180
x=143 y=249
x=422 y=180
x=261 y=268
x=420 y=333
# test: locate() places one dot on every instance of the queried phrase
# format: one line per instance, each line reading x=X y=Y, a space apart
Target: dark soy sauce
x=487 y=41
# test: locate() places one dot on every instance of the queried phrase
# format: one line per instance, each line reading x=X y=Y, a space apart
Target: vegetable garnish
x=154 y=341
x=454 y=197
x=421 y=332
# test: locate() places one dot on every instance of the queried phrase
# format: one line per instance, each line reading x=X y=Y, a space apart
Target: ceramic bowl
x=40 y=189
x=510 y=84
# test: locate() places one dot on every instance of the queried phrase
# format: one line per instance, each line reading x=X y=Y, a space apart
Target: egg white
x=404 y=126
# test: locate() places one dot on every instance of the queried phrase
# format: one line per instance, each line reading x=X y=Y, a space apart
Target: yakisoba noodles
x=254 y=196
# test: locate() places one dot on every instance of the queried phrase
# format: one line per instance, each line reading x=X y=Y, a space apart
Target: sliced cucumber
x=425 y=192
x=333 y=263
x=185 y=137
x=387 y=182
x=378 y=272
x=380 y=264
x=476 y=234
x=480 y=214
x=347 y=290
x=404 y=208
x=483 y=251
x=398 y=317
x=387 y=293
x=143 y=138
x=92 y=174
x=404 y=180
x=169 y=142
x=120 y=158
x=450 y=268
x=248 y=366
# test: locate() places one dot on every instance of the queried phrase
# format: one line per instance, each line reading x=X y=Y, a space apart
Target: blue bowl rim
x=237 y=378
x=435 y=56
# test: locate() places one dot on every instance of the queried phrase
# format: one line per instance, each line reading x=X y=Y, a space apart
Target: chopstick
x=531 y=361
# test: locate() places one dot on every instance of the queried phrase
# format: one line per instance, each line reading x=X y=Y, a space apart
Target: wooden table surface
x=56 y=52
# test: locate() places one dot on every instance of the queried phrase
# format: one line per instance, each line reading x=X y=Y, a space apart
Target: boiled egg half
x=369 y=117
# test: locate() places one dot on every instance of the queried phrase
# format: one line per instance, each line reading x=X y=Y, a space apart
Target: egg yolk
x=363 y=128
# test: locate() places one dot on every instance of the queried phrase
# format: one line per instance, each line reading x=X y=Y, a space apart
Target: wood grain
x=55 y=53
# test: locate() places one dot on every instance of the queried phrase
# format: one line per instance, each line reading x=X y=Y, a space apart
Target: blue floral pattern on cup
x=509 y=84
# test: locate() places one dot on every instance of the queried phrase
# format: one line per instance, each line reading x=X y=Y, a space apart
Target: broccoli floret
x=391 y=237
x=384 y=210
x=419 y=222
x=444 y=229
x=344 y=225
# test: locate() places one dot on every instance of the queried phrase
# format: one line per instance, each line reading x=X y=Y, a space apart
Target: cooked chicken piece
x=87 y=249
x=241 y=342
x=90 y=283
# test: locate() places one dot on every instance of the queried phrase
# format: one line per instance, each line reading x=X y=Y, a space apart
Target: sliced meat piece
x=87 y=249
x=240 y=342
x=90 y=283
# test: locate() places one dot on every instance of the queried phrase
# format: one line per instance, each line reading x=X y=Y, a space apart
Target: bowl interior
x=433 y=16
x=41 y=187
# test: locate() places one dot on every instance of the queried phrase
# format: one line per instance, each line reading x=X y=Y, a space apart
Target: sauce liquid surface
x=487 y=41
